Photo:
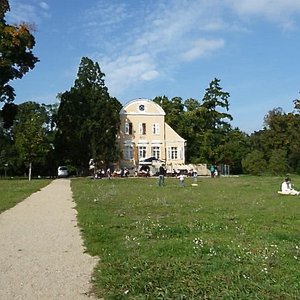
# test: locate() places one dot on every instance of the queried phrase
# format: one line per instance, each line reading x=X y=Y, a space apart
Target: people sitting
x=287 y=189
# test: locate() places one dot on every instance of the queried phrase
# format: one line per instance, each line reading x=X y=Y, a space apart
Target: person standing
x=195 y=176
x=161 y=175
x=181 y=180
x=212 y=171
x=108 y=173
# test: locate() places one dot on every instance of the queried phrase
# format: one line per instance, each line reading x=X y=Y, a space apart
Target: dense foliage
x=206 y=127
x=28 y=140
x=277 y=146
x=16 y=57
x=88 y=120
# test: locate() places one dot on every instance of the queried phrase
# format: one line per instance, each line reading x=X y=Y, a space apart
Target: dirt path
x=41 y=250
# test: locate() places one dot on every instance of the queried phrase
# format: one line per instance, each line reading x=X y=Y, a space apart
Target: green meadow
x=227 y=238
x=13 y=191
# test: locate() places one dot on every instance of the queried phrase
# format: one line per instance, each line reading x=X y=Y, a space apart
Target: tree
x=254 y=163
x=30 y=133
x=8 y=114
x=193 y=130
x=234 y=149
x=174 y=110
x=88 y=120
x=16 y=57
x=216 y=122
x=214 y=99
x=203 y=125
x=281 y=134
x=297 y=104
x=278 y=163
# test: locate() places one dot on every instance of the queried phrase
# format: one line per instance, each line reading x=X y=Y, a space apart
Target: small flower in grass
x=238 y=258
x=297 y=252
x=212 y=252
x=265 y=270
x=199 y=243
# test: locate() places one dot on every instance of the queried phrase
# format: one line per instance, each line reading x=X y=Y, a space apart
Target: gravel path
x=41 y=250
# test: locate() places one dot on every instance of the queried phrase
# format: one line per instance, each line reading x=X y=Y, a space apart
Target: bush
x=254 y=163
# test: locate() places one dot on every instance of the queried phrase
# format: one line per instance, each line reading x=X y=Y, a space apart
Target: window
x=142 y=128
x=128 y=152
x=142 y=152
x=128 y=128
x=172 y=153
x=155 y=128
x=156 y=152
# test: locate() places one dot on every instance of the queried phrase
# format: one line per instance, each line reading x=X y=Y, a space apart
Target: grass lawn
x=227 y=238
x=16 y=190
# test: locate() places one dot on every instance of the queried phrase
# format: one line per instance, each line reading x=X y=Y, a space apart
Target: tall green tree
x=193 y=130
x=215 y=106
x=16 y=57
x=204 y=125
x=88 y=120
x=30 y=133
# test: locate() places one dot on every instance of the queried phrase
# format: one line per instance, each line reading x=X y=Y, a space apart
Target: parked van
x=62 y=171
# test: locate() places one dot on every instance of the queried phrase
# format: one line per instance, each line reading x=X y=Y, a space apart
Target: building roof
x=142 y=106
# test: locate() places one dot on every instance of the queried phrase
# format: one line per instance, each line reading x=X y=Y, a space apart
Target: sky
x=173 y=48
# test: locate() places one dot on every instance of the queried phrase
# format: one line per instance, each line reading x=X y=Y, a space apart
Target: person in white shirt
x=287 y=189
x=181 y=180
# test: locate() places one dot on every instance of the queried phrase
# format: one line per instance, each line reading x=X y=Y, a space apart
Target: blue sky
x=149 y=48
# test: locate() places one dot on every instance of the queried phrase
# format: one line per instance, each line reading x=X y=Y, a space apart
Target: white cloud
x=149 y=75
x=104 y=14
x=126 y=70
x=140 y=43
x=22 y=11
x=201 y=47
x=161 y=34
x=282 y=12
x=44 y=5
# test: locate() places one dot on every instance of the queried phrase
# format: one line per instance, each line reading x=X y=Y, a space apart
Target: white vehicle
x=62 y=171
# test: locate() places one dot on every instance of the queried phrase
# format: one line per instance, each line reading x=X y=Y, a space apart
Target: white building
x=144 y=134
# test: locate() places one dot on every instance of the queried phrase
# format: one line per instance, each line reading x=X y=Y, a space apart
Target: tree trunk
x=29 y=174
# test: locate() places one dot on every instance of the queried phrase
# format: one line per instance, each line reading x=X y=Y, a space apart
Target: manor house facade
x=144 y=134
